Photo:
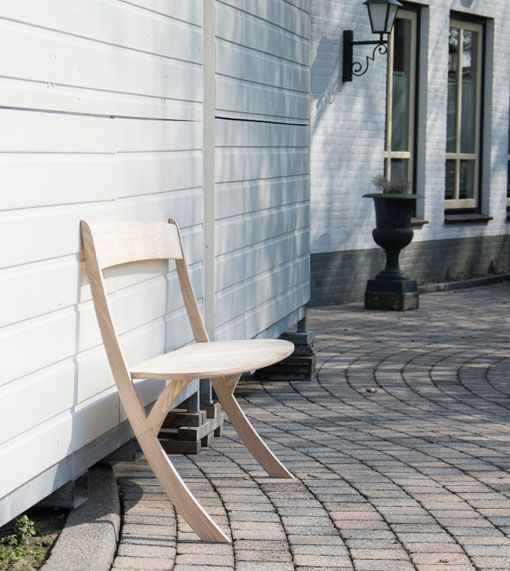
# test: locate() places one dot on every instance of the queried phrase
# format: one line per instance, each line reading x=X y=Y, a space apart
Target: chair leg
x=224 y=388
x=165 y=403
x=178 y=493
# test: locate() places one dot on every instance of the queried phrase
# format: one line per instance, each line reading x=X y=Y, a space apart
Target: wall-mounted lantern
x=382 y=16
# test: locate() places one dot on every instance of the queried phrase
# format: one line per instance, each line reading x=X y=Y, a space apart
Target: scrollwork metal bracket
x=355 y=68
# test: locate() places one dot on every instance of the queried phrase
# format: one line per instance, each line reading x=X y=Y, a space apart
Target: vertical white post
x=209 y=110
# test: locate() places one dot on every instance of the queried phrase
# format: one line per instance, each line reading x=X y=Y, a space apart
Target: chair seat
x=213 y=359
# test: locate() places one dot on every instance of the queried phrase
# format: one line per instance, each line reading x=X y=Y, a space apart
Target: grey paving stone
x=194 y=568
x=204 y=548
x=314 y=540
x=256 y=566
x=152 y=551
x=492 y=562
x=489 y=550
x=330 y=550
x=205 y=559
x=142 y=540
x=429 y=547
x=372 y=543
x=447 y=567
x=258 y=534
x=321 y=561
x=363 y=534
x=257 y=544
x=263 y=556
x=440 y=558
x=377 y=565
x=142 y=563
x=311 y=530
x=339 y=567
x=380 y=554
x=255 y=516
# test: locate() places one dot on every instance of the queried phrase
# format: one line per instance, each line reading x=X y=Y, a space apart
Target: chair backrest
x=118 y=243
x=111 y=244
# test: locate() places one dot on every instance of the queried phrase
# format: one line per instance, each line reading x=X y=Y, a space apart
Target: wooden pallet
x=188 y=432
x=300 y=366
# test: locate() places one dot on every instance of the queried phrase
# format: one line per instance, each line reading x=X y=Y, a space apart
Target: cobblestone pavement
x=401 y=449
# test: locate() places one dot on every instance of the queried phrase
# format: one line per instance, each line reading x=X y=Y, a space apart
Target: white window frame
x=409 y=154
x=508 y=180
x=458 y=156
x=508 y=170
x=507 y=196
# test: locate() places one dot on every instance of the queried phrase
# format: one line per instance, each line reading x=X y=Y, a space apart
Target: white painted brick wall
x=348 y=123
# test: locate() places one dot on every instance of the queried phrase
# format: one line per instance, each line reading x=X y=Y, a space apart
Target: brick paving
x=401 y=448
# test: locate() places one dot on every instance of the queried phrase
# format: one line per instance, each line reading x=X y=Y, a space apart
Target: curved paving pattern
x=401 y=449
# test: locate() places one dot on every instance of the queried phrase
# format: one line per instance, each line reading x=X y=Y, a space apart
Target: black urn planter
x=392 y=289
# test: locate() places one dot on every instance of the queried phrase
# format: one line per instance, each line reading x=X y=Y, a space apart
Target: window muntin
x=464 y=115
x=400 y=98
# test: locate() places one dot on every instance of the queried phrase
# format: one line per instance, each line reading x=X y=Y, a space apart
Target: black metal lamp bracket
x=352 y=68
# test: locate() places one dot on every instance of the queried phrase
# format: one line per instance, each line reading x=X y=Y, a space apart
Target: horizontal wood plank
x=253 y=164
x=249 y=134
x=304 y=5
x=41 y=95
x=143 y=173
x=247 y=295
x=240 y=231
x=250 y=65
x=32 y=132
x=246 y=30
x=242 y=264
x=251 y=323
x=47 y=286
x=59 y=437
x=74 y=62
x=185 y=10
x=135 y=28
x=277 y=12
x=235 y=198
x=251 y=99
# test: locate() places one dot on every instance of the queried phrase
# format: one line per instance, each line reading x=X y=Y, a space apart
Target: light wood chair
x=111 y=244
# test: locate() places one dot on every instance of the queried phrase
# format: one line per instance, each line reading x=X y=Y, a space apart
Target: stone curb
x=90 y=535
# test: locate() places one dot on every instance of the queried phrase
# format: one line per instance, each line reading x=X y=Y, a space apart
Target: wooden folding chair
x=111 y=244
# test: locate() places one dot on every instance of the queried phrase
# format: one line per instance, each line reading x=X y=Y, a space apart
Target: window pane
x=450 y=180
x=467 y=179
x=508 y=165
x=399 y=169
x=453 y=58
x=469 y=86
x=401 y=85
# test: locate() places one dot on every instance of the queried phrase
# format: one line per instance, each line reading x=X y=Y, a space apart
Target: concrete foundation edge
x=90 y=536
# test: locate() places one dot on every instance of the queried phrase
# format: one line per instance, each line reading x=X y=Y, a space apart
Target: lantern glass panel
x=392 y=12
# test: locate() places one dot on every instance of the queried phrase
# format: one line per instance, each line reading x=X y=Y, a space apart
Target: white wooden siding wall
x=100 y=118
x=262 y=163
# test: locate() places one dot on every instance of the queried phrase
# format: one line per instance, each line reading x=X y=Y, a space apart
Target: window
x=508 y=171
x=464 y=115
x=400 y=98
